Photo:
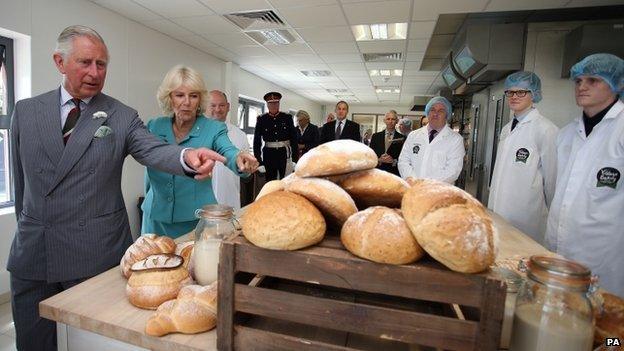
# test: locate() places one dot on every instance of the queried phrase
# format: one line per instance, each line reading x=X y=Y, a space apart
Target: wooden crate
x=324 y=298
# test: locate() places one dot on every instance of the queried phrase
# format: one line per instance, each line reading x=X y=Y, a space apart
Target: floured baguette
x=159 y=261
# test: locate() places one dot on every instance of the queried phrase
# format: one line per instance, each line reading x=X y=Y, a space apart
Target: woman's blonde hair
x=304 y=114
x=176 y=77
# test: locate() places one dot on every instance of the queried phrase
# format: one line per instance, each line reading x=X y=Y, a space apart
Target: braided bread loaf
x=194 y=311
x=145 y=245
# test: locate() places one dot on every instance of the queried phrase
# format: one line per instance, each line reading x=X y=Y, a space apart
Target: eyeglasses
x=518 y=93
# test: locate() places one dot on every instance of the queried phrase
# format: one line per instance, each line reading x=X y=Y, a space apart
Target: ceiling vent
x=383 y=57
x=256 y=20
x=315 y=73
x=337 y=91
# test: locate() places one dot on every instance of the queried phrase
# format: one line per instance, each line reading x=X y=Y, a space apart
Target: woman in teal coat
x=171 y=200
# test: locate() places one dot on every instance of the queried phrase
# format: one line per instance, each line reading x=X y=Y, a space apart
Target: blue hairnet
x=525 y=80
x=606 y=66
x=437 y=100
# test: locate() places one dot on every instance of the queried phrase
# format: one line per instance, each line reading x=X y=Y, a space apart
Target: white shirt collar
x=521 y=116
x=65 y=97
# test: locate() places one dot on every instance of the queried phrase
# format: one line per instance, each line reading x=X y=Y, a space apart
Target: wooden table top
x=100 y=305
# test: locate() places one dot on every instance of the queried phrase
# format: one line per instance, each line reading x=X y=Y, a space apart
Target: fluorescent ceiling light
x=387 y=90
x=380 y=31
x=386 y=72
x=316 y=73
x=337 y=91
x=272 y=36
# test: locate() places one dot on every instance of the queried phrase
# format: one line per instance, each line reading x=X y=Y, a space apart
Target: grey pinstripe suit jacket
x=71 y=218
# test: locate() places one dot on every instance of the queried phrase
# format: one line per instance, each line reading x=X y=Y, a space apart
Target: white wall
x=140 y=57
x=379 y=109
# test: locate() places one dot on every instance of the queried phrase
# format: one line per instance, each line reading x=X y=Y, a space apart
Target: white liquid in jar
x=206 y=261
x=534 y=331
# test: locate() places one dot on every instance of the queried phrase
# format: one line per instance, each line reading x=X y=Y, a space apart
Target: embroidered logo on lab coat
x=608 y=176
x=522 y=155
x=416 y=149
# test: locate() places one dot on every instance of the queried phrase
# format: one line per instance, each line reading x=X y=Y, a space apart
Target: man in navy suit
x=307 y=134
x=388 y=143
x=341 y=128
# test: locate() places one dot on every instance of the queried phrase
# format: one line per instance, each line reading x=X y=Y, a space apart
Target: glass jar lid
x=216 y=211
x=559 y=272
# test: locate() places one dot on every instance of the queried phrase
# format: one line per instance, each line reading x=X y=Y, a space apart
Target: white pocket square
x=102 y=132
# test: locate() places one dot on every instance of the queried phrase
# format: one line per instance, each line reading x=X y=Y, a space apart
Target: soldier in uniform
x=278 y=132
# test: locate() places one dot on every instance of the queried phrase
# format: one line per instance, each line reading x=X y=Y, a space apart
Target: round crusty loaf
x=331 y=199
x=375 y=187
x=150 y=288
x=610 y=324
x=450 y=225
x=145 y=245
x=380 y=234
x=283 y=221
x=269 y=187
x=336 y=157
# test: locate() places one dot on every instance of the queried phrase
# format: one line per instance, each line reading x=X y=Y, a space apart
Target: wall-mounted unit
x=592 y=39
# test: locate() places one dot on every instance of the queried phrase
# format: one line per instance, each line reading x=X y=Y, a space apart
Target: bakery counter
x=97 y=315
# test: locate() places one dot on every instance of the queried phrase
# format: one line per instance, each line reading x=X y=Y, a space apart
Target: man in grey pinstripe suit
x=71 y=219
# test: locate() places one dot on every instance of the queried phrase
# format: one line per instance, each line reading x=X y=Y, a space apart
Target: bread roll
x=380 y=234
x=194 y=311
x=375 y=187
x=328 y=197
x=336 y=157
x=450 y=225
x=610 y=323
x=185 y=250
x=269 y=187
x=283 y=221
x=149 y=288
x=145 y=245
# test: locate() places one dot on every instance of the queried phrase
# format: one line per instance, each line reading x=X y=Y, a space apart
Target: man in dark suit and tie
x=388 y=143
x=307 y=134
x=341 y=128
x=68 y=147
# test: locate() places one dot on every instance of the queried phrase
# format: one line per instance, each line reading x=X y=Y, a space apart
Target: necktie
x=71 y=120
x=432 y=134
x=338 y=130
x=514 y=123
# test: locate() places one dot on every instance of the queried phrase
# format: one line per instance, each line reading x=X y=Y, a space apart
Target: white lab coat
x=226 y=184
x=523 y=183
x=442 y=160
x=586 y=219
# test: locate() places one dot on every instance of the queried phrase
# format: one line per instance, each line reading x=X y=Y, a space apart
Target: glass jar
x=513 y=281
x=554 y=307
x=216 y=223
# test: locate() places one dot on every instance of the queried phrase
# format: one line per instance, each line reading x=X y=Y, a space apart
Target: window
x=248 y=112
x=7 y=98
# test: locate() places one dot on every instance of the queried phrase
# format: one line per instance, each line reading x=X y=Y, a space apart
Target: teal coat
x=172 y=198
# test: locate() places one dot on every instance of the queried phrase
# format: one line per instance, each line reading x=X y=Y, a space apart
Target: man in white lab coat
x=586 y=219
x=525 y=171
x=226 y=184
x=434 y=151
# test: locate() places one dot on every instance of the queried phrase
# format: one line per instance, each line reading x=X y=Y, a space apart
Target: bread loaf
x=380 y=234
x=374 y=187
x=328 y=197
x=145 y=245
x=149 y=288
x=194 y=311
x=269 y=187
x=610 y=323
x=450 y=225
x=185 y=250
x=336 y=157
x=283 y=221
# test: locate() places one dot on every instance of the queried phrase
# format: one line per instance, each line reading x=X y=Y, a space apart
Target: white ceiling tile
x=429 y=10
x=167 y=27
x=342 y=58
x=306 y=61
x=422 y=74
x=250 y=50
x=417 y=45
x=335 y=85
x=415 y=56
x=326 y=34
x=421 y=30
x=206 y=25
x=352 y=74
x=260 y=60
x=384 y=65
x=345 y=47
x=313 y=16
x=378 y=12
x=348 y=66
x=298 y=3
x=512 y=5
x=412 y=65
x=381 y=46
x=230 y=6
x=198 y=42
x=230 y=40
x=290 y=49
x=128 y=9
x=223 y=54
x=177 y=8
